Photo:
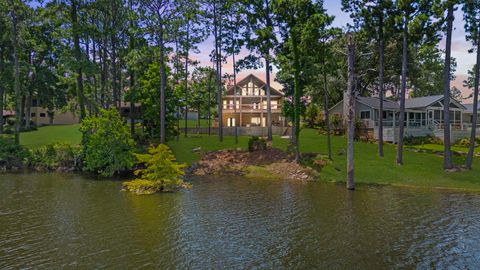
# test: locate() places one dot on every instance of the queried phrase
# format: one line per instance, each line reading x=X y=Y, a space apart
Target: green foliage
x=256 y=144
x=143 y=187
x=422 y=140
x=466 y=142
x=312 y=115
x=56 y=155
x=160 y=172
x=11 y=154
x=149 y=97
x=107 y=144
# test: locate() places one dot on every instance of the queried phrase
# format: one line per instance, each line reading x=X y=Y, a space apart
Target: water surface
x=56 y=220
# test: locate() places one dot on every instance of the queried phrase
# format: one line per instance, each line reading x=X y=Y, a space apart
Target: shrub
x=422 y=140
x=466 y=142
x=11 y=154
x=160 y=173
x=143 y=187
x=53 y=156
x=107 y=144
x=256 y=143
x=312 y=115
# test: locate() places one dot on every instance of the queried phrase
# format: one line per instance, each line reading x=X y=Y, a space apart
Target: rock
x=196 y=150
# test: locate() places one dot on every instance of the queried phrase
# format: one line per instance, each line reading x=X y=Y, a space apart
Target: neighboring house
x=42 y=116
x=423 y=116
x=468 y=113
x=251 y=104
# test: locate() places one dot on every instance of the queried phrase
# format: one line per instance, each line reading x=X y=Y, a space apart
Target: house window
x=255 y=121
x=231 y=122
x=43 y=115
x=274 y=104
x=365 y=115
x=32 y=114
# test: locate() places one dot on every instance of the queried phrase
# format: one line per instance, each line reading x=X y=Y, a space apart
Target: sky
x=460 y=47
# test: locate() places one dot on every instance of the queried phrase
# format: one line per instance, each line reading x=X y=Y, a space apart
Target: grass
x=439 y=148
x=51 y=134
x=419 y=169
x=193 y=123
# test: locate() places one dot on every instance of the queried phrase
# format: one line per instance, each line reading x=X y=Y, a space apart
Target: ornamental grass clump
x=159 y=172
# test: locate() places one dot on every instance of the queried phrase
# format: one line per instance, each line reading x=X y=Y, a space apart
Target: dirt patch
x=234 y=162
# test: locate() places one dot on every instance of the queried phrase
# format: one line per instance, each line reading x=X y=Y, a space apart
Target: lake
x=64 y=221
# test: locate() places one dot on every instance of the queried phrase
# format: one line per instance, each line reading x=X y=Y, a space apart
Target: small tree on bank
x=107 y=144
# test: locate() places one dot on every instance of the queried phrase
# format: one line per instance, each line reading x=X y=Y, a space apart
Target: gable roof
x=374 y=102
x=423 y=102
x=470 y=107
x=257 y=81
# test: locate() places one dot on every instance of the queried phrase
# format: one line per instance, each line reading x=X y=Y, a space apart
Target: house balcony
x=250 y=108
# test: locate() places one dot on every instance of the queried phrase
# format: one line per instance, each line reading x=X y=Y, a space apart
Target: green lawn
x=194 y=123
x=51 y=134
x=420 y=169
x=439 y=148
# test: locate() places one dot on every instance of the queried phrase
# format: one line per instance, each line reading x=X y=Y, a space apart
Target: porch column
x=461 y=119
x=261 y=111
x=241 y=105
x=408 y=120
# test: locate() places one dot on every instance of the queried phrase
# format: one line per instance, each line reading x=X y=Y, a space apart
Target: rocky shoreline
x=272 y=162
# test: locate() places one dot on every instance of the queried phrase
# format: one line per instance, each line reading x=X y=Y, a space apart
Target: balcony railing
x=251 y=107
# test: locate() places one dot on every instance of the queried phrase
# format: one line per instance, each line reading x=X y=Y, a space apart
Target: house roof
x=374 y=102
x=257 y=81
x=422 y=102
x=470 y=107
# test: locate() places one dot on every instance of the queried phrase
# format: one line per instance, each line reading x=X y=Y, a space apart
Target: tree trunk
x=469 y=160
x=28 y=108
x=326 y=111
x=186 y=80
x=16 y=83
x=235 y=93
x=218 y=78
x=209 y=101
x=162 y=85
x=95 y=88
x=269 y=105
x=402 y=95
x=2 y=90
x=103 y=75
x=351 y=113
x=296 y=97
x=132 y=75
x=381 y=86
x=115 y=91
x=269 y=24
x=447 y=161
x=78 y=56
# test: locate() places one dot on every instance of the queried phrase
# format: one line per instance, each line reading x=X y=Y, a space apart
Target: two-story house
x=251 y=104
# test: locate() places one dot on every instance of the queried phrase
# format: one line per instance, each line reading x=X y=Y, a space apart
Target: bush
x=107 y=144
x=160 y=173
x=11 y=154
x=57 y=155
x=256 y=143
x=422 y=140
x=466 y=142
x=143 y=187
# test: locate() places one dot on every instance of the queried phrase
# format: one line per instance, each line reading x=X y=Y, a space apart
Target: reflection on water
x=52 y=220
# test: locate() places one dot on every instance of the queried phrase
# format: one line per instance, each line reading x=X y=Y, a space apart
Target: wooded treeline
x=84 y=55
